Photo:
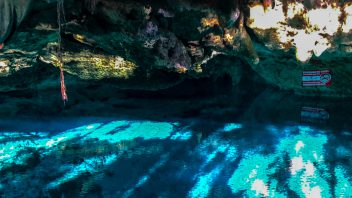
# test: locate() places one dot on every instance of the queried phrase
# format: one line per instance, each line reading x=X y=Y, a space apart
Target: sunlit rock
x=309 y=31
x=4 y=67
x=295 y=38
x=87 y=65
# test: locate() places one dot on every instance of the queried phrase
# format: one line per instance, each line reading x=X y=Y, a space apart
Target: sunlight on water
x=344 y=184
x=91 y=165
x=229 y=161
x=145 y=178
x=252 y=175
x=204 y=184
x=232 y=126
x=309 y=174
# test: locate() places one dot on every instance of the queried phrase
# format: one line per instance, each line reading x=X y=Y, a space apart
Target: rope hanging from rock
x=60 y=18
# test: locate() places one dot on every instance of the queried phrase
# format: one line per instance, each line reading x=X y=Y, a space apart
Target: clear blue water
x=262 y=153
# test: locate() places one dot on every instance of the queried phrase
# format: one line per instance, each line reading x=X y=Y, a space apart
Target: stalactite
x=60 y=18
x=91 y=5
x=247 y=46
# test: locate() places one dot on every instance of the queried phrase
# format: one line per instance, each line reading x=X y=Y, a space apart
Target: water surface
x=267 y=149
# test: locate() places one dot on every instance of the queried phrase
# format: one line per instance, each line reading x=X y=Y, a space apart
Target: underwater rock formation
x=138 y=43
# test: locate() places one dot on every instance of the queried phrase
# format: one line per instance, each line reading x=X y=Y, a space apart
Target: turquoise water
x=141 y=158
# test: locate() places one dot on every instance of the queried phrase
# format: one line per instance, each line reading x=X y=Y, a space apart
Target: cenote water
x=277 y=146
x=175 y=98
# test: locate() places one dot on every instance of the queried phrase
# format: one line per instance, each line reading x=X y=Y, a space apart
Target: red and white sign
x=316 y=78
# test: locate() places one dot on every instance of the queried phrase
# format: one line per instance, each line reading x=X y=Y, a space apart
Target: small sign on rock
x=316 y=78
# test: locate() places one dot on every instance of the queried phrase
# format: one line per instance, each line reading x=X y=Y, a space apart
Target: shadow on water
x=267 y=144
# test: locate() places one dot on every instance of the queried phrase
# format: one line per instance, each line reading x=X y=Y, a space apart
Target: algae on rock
x=91 y=66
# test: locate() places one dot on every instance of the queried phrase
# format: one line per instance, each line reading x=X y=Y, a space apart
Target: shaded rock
x=12 y=14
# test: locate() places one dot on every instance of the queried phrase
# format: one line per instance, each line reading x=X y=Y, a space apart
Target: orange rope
x=63 y=86
x=60 y=10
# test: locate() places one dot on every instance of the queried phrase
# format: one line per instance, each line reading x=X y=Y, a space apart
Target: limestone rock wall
x=156 y=45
